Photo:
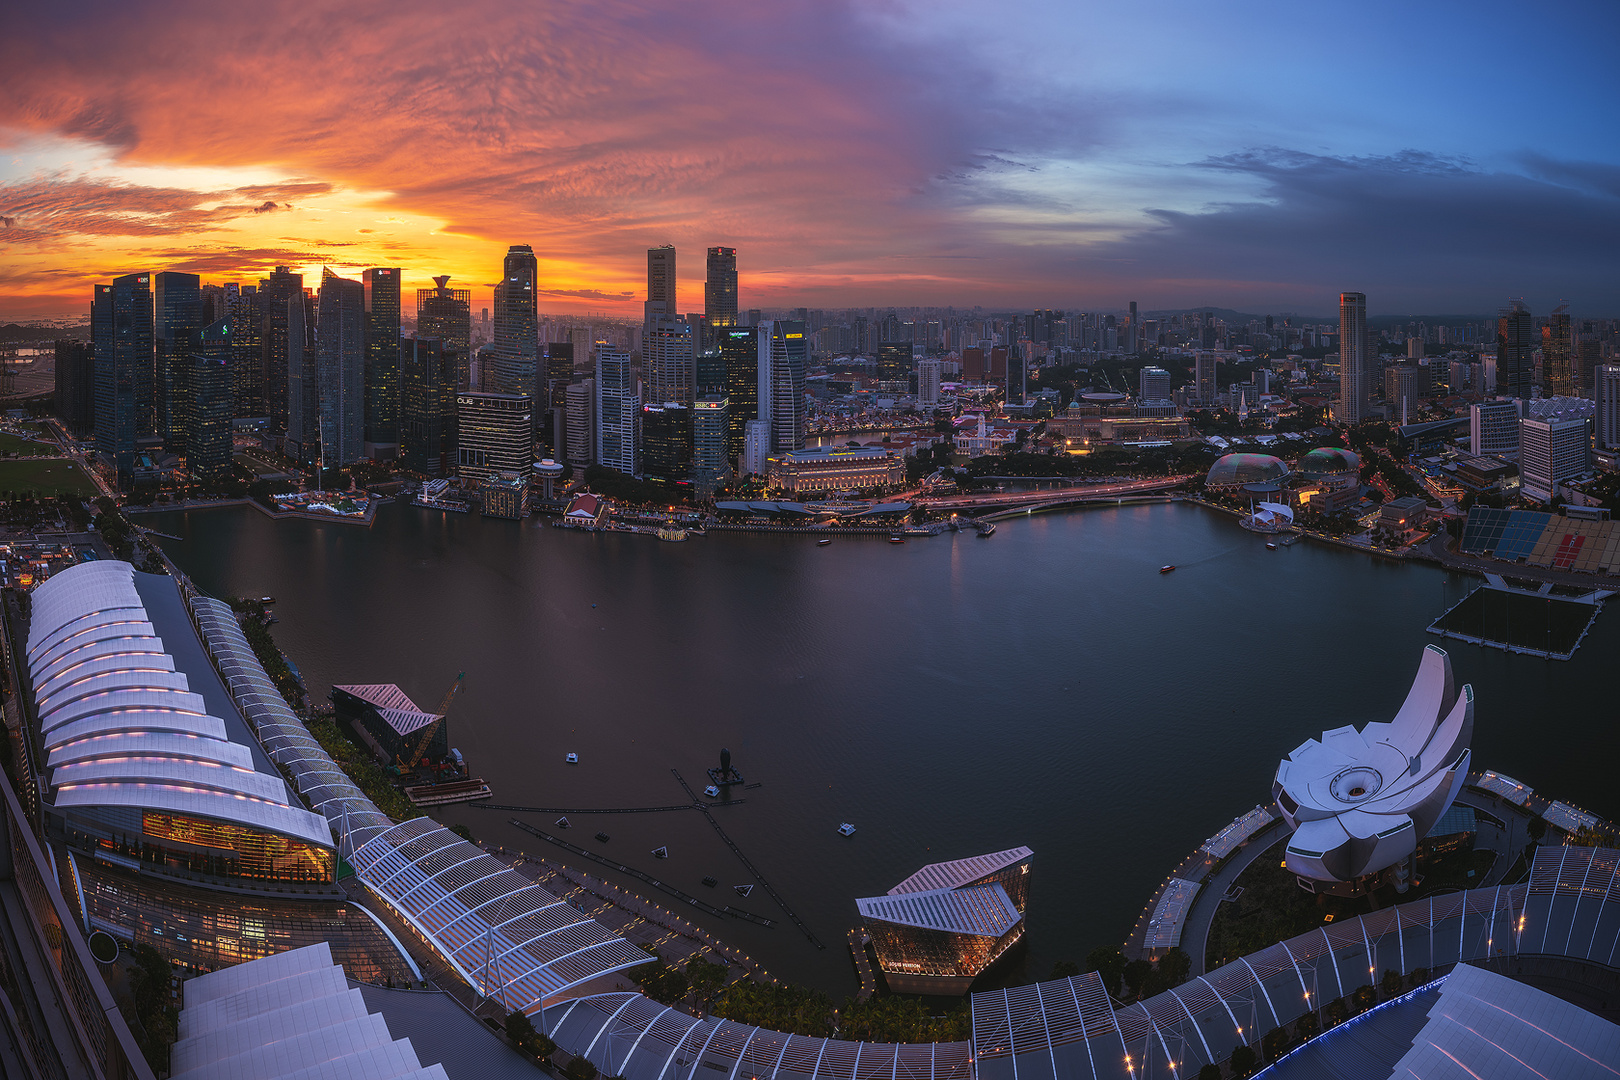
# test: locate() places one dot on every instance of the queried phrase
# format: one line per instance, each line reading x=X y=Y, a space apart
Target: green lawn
x=14 y=444
x=45 y=476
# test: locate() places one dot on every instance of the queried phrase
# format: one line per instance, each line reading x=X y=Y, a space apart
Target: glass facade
x=201 y=848
x=912 y=950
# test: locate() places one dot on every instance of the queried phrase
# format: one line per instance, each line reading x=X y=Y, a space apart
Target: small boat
x=742 y=890
x=712 y=791
x=1166 y=569
x=1271 y=545
x=602 y=836
x=561 y=823
x=846 y=829
x=711 y=882
x=573 y=759
x=987 y=529
x=660 y=852
x=824 y=541
x=267 y=599
x=897 y=539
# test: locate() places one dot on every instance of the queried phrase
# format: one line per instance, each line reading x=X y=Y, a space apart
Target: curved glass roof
x=122 y=727
x=1235 y=469
x=1328 y=461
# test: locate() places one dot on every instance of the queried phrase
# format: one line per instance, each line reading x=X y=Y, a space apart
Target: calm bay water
x=949 y=697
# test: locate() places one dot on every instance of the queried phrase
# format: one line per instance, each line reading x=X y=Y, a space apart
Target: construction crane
x=432 y=729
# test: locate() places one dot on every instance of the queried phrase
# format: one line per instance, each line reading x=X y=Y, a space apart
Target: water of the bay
x=950 y=696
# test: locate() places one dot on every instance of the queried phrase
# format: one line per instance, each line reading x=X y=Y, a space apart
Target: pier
x=863 y=966
x=604 y=809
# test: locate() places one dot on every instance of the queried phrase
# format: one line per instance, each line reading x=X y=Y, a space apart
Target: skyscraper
x=382 y=361
x=427 y=405
x=893 y=361
x=517 y=330
x=1132 y=333
x=303 y=380
x=618 y=411
x=1493 y=427
x=1017 y=385
x=445 y=314
x=710 y=463
x=720 y=290
x=667 y=359
x=1551 y=452
x=581 y=423
x=1515 y=352
x=494 y=434
x=928 y=376
x=176 y=318
x=666 y=442
x=559 y=370
x=1352 y=358
x=1558 y=355
x=121 y=336
x=340 y=370
x=1153 y=384
x=279 y=295
x=739 y=353
x=783 y=356
x=210 y=402
x=247 y=350
x=661 y=282
x=1606 y=392
x=75 y=387
x=1204 y=378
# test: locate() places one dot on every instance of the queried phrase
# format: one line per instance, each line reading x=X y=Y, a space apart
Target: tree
x=1363 y=999
x=660 y=982
x=706 y=980
x=1307 y=1027
x=1174 y=967
x=159 y=1020
x=1210 y=1072
x=1392 y=982
x=1136 y=974
x=1420 y=976
x=1336 y=1012
x=580 y=1069
x=1244 y=1059
x=1275 y=1043
x=1537 y=827
x=520 y=1030
x=1065 y=969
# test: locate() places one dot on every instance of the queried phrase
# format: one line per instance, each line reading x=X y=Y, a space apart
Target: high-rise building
x=1493 y=427
x=382 y=361
x=756 y=448
x=516 y=350
x=1017 y=383
x=711 y=465
x=210 y=402
x=340 y=370
x=1132 y=335
x=445 y=314
x=666 y=442
x=1515 y=352
x=494 y=434
x=618 y=411
x=559 y=369
x=1204 y=378
x=739 y=353
x=1558 y=355
x=661 y=282
x=928 y=379
x=1405 y=387
x=427 y=406
x=121 y=337
x=75 y=387
x=1551 y=452
x=893 y=361
x=1153 y=384
x=1588 y=355
x=279 y=294
x=176 y=318
x=667 y=359
x=1606 y=392
x=303 y=381
x=973 y=364
x=1353 y=358
x=581 y=423
x=720 y=289
x=783 y=356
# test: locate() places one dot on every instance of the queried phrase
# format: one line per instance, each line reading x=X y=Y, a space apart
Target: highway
x=1080 y=493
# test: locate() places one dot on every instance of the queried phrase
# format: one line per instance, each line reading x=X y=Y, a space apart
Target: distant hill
x=14 y=332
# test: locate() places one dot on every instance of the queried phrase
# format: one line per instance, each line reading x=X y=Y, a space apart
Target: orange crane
x=428 y=732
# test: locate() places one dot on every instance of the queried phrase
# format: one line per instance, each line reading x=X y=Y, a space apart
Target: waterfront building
x=278 y=297
x=513 y=358
x=939 y=929
x=581 y=423
x=928 y=380
x=207 y=426
x=445 y=314
x=711 y=465
x=427 y=427
x=121 y=338
x=176 y=316
x=668 y=358
x=505 y=495
x=1515 y=352
x=494 y=433
x=756 y=448
x=783 y=357
x=340 y=370
x=835 y=468
x=1359 y=801
x=720 y=289
x=1606 y=392
x=1329 y=463
x=666 y=442
x=389 y=724
x=382 y=285
x=548 y=472
x=739 y=355
x=1354 y=358
x=1493 y=427
x=1550 y=453
x=75 y=386
x=618 y=412
x=1234 y=471
x=1153 y=384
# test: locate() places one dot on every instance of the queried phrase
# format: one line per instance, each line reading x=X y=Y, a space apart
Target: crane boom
x=432 y=729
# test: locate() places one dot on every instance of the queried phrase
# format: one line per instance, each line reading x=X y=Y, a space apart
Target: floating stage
x=1541 y=622
x=451 y=791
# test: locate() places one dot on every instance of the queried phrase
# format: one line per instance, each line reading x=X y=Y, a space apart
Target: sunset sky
x=1440 y=157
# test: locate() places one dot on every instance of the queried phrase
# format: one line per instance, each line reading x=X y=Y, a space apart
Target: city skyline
x=885 y=157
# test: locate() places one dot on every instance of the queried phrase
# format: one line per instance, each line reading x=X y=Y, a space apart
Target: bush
x=1275 y=1043
x=1244 y=1060
x=1392 y=982
x=1363 y=999
x=1307 y=1027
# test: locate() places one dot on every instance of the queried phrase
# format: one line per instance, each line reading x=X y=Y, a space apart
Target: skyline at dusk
x=1257 y=157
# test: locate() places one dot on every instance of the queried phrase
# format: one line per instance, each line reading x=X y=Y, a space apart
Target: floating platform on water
x=452 y=791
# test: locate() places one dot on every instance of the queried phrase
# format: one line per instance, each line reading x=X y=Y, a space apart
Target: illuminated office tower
x=559 y=370
x=279 y=295
x=515 y=354
x=580 y=425
x=247 y=350
x=340 y=370
x=667 y=359
x=1153 y=384
x=1352 y=358
x=720 y=290
x=661 y=282
x=121 y=336
x=739 y=353
x=893 y=360
x=1204 y=378
x=711 y=465
x=445 y=314
x=928 y=378
x=1558 y=355
x=494 y=434
x=1551 y=452
x=1515 y=352
x=176 y=318
x=382 y=361
x=618 y=411
x=1606 y=392
x=666 y=442
x=210 y=402
x=303 y=381
x=427 y=406
x=783 y=356
x=1493 y=427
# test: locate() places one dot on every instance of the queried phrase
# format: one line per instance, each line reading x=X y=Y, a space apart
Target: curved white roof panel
x=1359 y=800
x=959 y=872
x=122 y=722
x=979 y=910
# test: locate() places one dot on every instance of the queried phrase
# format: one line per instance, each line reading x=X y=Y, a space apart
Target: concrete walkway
x=1195 y=926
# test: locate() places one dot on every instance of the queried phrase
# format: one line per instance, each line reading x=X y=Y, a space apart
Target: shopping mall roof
x=981 y=910
x=126 y=725
x=959 y=872
x=393 y=705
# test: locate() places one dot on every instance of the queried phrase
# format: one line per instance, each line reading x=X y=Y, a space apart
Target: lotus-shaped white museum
x=1359 y=801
